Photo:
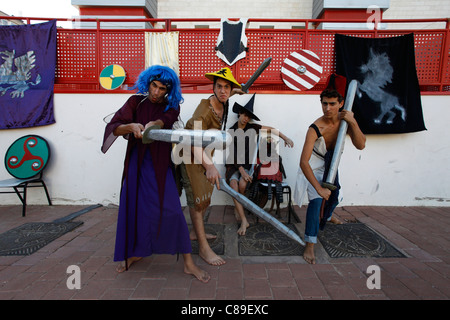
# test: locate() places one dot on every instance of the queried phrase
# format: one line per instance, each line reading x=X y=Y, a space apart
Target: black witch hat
x=248 y=108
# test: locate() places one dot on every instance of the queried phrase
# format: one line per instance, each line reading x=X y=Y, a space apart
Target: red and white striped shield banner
x=301 y=70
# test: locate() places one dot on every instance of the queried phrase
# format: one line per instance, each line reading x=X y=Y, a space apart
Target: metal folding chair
x=261 y=192
x=286 y=190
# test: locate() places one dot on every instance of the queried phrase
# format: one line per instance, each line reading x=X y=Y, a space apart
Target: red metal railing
x=83 y=53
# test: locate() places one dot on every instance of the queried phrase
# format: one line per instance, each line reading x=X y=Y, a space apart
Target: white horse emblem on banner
x=378 y=72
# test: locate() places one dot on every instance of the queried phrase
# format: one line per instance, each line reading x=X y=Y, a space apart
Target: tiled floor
x=422 y=233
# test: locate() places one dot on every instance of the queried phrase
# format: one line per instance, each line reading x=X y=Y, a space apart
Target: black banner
x=388 y=95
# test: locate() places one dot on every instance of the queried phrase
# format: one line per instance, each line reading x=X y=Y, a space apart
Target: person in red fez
x=319 y=145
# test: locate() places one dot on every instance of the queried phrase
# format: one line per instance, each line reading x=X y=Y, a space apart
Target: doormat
x=217 y=244
x=355 y=240
x=30 y=237
x=263 y=239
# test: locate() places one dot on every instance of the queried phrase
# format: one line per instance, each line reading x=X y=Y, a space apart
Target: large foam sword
x=204 y=138
x=257 y=73
x=260 y=212
x=219 y=139
x=198 y=138
x=247 y=203
x=339 y=148
x=340 y=141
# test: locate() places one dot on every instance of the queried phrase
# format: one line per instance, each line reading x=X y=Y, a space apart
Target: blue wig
x=167 y=77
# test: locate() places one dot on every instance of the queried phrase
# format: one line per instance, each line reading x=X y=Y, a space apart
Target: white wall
x=396 y=170
x=281 y=9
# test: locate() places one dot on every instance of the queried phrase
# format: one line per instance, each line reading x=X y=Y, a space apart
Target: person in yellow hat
x=199 y=175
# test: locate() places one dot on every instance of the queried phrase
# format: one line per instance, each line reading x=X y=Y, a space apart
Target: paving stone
x=420 y=232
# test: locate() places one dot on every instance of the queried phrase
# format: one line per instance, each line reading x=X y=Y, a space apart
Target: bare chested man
x=320 y=138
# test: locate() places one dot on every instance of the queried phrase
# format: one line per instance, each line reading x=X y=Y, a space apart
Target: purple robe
x=145 y=226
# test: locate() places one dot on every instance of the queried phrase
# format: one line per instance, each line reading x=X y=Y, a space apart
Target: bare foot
x=193 y=236
x=308 y=254
x=335 y=220
x=211 y=257
x=237 y=216
x=243 y=228
x=122 y=267
x=200 y=274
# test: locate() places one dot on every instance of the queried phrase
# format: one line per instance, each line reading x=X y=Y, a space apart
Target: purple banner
x=27 y=75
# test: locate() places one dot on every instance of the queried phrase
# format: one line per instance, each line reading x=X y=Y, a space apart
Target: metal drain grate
x=30 y=237
x=263 y=239
x=355 y=240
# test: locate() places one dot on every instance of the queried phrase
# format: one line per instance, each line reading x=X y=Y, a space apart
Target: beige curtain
x=161 y=48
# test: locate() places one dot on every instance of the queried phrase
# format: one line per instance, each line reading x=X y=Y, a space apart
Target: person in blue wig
x=150 y=219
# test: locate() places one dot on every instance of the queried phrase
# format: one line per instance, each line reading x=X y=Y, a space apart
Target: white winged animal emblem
x=18 y=80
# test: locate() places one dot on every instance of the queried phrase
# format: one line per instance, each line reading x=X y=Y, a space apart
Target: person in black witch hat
x=319 y=144
x=239 y=162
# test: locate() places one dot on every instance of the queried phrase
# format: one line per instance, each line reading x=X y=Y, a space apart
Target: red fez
x=337 y=82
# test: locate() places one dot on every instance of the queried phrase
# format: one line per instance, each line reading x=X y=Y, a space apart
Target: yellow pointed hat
x=224 y=73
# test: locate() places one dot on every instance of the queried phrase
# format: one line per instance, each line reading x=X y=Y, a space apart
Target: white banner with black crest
x=232 y=41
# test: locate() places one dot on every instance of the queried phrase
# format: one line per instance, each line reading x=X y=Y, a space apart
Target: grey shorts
x=237 y=175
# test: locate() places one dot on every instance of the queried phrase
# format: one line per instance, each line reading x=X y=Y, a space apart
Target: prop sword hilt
x=146 y=137
x=329 y=186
